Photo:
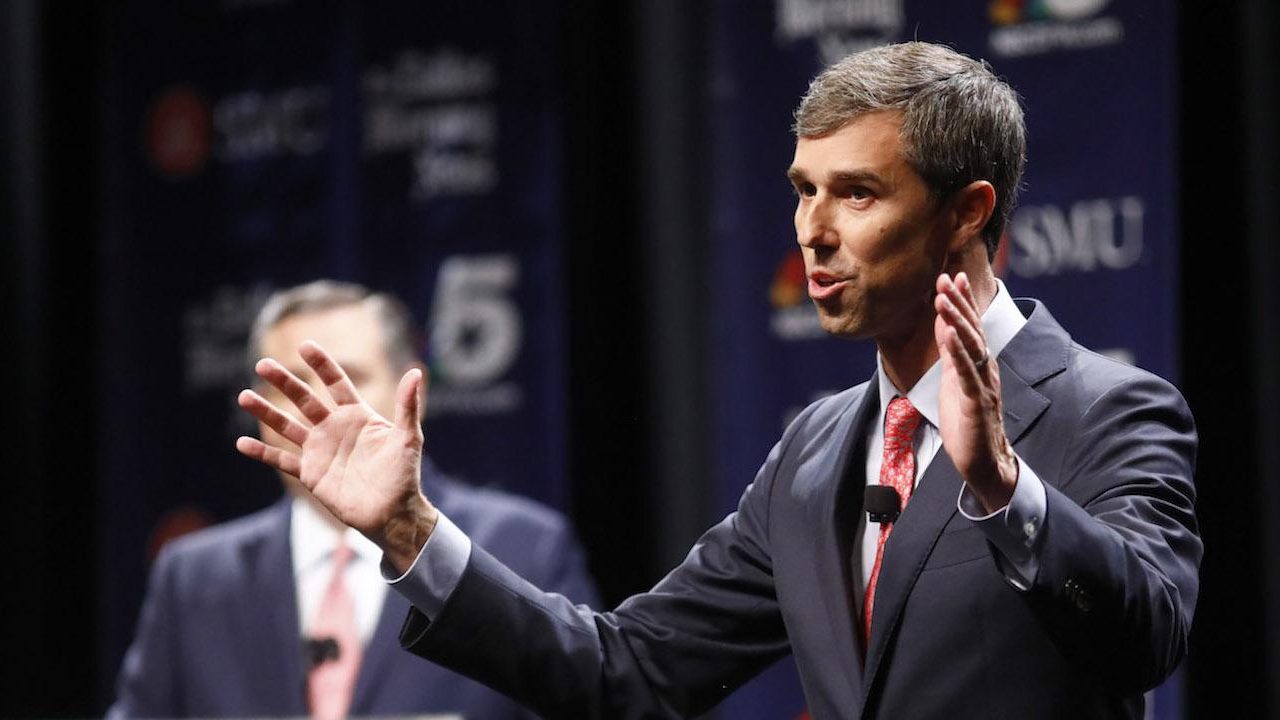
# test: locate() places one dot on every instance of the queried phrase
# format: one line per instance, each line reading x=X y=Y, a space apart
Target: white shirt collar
x=1000 y=322
x=313 y=539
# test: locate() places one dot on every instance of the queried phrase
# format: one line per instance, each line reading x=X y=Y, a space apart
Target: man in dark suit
x=235 y=618
x=1038 y=556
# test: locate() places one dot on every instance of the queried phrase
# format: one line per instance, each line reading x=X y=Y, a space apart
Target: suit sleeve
x=147 y=686
x=562 y=567
x=1119 y=551
x=673 y=651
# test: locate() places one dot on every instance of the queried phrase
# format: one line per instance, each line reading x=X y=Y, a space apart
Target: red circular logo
x=179 y=133
x=174 y=524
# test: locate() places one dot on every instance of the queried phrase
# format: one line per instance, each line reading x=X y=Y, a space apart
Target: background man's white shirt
x=312 y=540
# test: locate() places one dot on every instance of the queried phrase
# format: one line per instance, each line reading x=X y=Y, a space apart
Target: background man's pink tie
x=331 y=683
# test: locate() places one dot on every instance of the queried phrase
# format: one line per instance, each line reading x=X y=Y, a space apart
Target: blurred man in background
x=284 y=612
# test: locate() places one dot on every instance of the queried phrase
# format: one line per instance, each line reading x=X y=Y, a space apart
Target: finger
x=965 y=369
x=954 y=290
x=330 y=373
x=965 y=286
x=409 y=401
x=966 y=290
x=285 y=462
x=299 y=393
x=941 y=331
x=971 y=337
x=274 y=418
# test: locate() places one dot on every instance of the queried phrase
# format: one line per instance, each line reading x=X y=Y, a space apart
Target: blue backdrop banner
x=1095 y=227
x=254 y=145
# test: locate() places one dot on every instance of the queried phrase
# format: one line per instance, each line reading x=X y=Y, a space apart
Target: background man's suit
x=219 y=633
x=1107 y=614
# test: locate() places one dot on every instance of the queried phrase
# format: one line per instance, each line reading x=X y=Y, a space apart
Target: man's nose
x=813 y=224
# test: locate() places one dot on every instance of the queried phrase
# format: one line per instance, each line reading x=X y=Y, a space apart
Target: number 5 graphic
x=476 y=329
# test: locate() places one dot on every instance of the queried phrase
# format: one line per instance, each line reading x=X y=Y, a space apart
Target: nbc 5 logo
x=476 y=328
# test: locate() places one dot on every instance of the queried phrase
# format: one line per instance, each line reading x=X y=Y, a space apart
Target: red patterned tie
x=332 y=682
x=898 y=470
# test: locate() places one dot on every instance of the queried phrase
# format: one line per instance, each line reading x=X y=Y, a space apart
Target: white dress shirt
x=312 y=540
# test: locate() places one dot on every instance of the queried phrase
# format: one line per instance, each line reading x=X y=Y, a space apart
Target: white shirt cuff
x=437 y=570
x=1013 y=529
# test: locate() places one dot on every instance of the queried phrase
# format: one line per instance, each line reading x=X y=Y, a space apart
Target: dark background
x=633 y=78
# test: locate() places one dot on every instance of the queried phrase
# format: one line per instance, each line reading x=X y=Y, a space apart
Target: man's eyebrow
x=856 y=176
x=797 y=175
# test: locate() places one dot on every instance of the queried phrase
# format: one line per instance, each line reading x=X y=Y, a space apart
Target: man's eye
x=805 y=189
x=859 y=193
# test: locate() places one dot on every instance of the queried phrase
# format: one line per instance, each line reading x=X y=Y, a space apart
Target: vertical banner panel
x=1095 y=227
x=250 y=146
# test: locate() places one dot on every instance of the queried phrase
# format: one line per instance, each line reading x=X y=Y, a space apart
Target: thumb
x=408 y=402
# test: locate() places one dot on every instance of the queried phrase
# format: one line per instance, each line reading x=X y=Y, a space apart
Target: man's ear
x=971 y=208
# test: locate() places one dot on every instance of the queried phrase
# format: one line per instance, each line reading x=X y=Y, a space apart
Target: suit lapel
x=1037 y=352
x=382 y=647
x=273 y=637
x=837 y=520
x=1023 y=404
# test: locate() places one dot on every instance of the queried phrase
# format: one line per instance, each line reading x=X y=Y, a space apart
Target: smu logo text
x=1089 y=235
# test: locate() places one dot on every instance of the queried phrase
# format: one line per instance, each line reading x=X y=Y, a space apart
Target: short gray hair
x=393 y=316
x=960 y=123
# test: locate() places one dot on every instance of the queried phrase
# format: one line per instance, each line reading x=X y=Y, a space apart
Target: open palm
x=364 y=468
x=964 y=416
x=970 y=418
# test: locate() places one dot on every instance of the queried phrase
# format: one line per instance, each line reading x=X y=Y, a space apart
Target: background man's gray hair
x=960 y=123
x=396 y=321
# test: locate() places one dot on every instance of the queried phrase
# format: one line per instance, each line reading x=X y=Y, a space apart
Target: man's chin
x=842 y=326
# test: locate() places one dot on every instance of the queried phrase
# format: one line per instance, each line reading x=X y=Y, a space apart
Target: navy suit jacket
x=1106 y=617
x=219 y=633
